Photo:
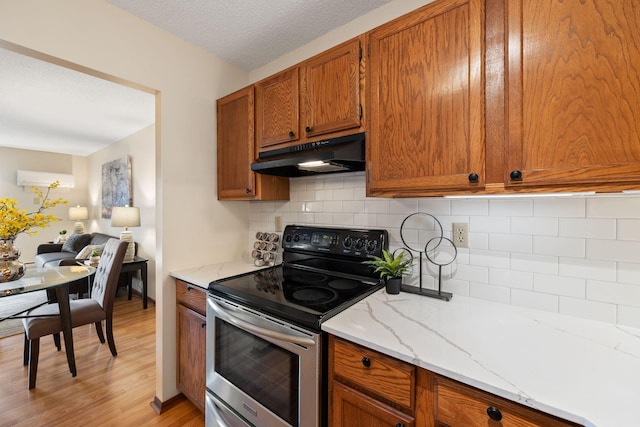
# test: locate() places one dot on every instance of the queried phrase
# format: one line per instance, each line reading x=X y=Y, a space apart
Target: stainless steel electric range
x=266 y=354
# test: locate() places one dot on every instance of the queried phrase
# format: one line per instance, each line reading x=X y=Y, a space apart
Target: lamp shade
x=78 y=213
x=125 y=216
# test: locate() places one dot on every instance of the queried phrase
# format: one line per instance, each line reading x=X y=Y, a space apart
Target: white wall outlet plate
x=461 y=234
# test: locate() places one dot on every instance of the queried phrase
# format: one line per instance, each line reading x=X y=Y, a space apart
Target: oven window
x=264 y=371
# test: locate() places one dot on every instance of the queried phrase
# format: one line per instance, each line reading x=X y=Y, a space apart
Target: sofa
x=76 y=248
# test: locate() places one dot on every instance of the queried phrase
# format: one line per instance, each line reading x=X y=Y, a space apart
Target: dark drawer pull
x=189 y=288
x=366 y=361
x=494 y=413
x=400 y=425
x=203 y=324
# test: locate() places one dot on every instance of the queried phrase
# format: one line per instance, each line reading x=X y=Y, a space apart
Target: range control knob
x=347 y=242
x=287 y=238
x=372 y=245
x=359 y=244
x=296 y=238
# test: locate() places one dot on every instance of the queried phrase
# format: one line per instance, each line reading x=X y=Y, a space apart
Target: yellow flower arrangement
x=14 y=221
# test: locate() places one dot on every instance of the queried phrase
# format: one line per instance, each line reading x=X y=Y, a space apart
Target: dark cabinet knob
x=189 y=288
x=307 y=129
x=515 y=175
x=366 y=361
x=473 y=177
x=247 y=190
x=291 y=134
x=494 y=413
x=400 y=425
x=203 y=324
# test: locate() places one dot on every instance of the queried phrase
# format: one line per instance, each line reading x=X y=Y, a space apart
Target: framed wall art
x=116 y=185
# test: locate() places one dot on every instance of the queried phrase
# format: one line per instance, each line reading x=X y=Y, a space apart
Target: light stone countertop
x=203 y=275
x=581 y=370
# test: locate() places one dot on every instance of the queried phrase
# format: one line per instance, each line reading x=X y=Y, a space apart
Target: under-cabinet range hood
x=342 y=154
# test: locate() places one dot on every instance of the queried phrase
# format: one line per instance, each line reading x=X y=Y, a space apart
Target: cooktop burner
x=322 y=274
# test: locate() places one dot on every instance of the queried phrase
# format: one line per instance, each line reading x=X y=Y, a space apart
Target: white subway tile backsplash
x=534 y=263
x=511 y=278
x=614 y=207
x=495 y=259
x=376 y=206
x=343 y=194
x=612 y=292
x=587 y=228
x=556 y=285
x=560 y=207
x=614 y=250
x=511 y=207
x=534 y=226
x=629 y=273
x=511 y=243
x=536 y=300
x=587 y=269
x=592 y=310
x=629 y=316
x=628 y=229
x=579 y=256
x=472 y=273
x=559 y=246
x=470 y=207
x=489 y=292
x=332 y=206
x=489 y=224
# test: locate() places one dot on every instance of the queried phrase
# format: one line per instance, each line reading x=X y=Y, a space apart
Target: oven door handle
x=226 y=315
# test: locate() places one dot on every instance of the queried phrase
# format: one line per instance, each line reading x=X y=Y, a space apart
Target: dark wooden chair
x=94 y=310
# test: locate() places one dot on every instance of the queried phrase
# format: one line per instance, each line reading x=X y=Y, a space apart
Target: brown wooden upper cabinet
x=318 y=98
x=573 y=75
x=237 y=150
x=425 y=127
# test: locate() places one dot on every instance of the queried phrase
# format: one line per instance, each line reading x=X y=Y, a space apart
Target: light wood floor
x=108 y=391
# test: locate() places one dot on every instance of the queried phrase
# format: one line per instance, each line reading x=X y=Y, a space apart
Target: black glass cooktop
x=298 y=295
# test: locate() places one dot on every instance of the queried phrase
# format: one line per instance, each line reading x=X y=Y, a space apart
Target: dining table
x=57 y=278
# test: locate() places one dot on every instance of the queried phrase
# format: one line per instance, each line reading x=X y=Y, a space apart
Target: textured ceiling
x=46 y=107
x=248 y=33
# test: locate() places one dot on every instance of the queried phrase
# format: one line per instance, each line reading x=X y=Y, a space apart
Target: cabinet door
x=573 y=74
x=236 y=146
x=426 y=122
x=330 y=90
x=191 y=366
x=352 y=408
x=277 y=109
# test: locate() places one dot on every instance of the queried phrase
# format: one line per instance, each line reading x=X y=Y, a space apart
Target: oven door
x=266 y=371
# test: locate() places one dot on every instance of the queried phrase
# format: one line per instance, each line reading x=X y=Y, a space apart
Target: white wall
x=190 y=223
x=578 y=256
x=140 y=147
x=16 y=159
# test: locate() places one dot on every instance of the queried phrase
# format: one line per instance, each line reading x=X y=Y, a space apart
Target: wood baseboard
x=160 y=406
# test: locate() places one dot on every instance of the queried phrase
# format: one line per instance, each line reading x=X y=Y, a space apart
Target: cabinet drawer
x=377 y=374
x=461 y=405
x=191 y=296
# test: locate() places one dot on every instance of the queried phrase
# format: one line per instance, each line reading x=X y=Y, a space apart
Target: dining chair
x=97 y=308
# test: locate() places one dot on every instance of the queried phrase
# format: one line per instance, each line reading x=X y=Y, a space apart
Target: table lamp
x=126 y=216
x=78 y=213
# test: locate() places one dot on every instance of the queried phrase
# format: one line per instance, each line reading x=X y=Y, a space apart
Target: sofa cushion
x=100 y=239
x=51 y=259
x=76 y=242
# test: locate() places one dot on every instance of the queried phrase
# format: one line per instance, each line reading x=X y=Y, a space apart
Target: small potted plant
x=95 y=257
x=391 y=268
x=62 y=236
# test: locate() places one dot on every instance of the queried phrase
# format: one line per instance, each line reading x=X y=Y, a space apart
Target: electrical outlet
x=461 y=234
x=278 y=223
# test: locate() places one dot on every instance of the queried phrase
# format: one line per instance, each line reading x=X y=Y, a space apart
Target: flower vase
x=10 y=267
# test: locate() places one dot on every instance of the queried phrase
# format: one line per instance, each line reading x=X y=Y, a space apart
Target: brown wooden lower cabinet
x=367 y=388
x=191 y=335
